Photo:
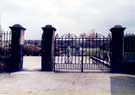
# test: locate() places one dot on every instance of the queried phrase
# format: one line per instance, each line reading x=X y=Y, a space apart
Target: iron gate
x=5 y=50
x=74 y=53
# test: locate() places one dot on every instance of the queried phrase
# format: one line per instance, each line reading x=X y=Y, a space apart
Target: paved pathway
x=50 y=83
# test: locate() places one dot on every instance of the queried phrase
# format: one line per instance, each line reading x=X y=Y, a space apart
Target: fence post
x=17 y=43
x=47 y=48
x=117 y=48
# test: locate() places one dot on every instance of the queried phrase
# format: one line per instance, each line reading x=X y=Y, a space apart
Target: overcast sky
x=68 y=16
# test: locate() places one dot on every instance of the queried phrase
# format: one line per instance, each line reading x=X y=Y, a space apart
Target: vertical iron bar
x=4 y=44
x=74 y=52
x=54 y=53
x=82 y=55
x=60 y=51
x=89 y=52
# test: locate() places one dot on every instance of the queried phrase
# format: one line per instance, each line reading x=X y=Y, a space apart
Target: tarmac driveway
x=32 y=82
x=50 y=83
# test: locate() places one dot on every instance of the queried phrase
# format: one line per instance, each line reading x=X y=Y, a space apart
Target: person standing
x=77 y=50
x=68 y=55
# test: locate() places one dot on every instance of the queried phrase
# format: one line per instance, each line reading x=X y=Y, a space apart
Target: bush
x=3 y=67
x=31 y=50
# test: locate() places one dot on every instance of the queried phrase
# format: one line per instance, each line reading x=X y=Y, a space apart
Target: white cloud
x=73 y=16
x=71 y=3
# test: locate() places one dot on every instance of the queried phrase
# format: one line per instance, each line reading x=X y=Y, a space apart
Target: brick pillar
x=17 y=43
x=47 y=48
x=117 y=48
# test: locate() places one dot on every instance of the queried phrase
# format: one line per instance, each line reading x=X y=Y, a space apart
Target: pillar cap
x=118 y=27
x=18 y=26
x=49 y=27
